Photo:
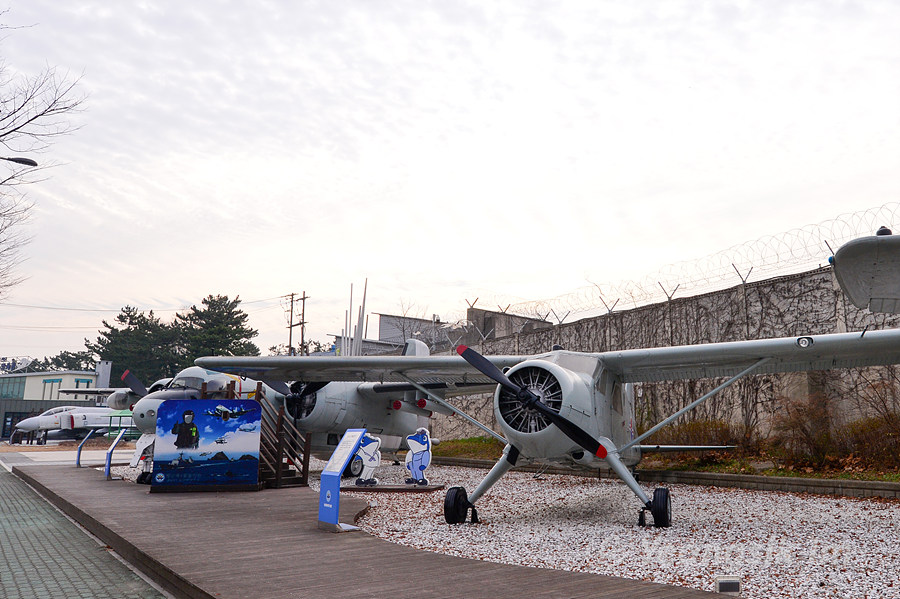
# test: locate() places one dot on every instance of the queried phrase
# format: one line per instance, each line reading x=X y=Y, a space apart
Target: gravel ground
x=780 y=544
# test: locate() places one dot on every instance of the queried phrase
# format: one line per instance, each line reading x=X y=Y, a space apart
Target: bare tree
x=33 y=112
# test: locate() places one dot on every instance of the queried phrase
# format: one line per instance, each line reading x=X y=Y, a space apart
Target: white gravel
x=780 y=544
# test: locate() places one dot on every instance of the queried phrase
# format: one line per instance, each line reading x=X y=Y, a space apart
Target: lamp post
x=17 y=160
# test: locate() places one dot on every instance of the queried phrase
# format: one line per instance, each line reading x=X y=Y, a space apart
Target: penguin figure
x=371 y=457
x=418 y=457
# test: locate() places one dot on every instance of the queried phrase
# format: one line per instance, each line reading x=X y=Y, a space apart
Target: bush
x=696 y=432
x=872 y=443
x=803 y=431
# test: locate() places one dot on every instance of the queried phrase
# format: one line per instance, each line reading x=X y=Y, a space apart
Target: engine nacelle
x=121 y=399
x=342 y=405
x=562 y=390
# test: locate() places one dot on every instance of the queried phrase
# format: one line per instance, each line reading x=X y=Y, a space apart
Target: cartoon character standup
x=188 y=435
x=418 y=457
x=371 y=457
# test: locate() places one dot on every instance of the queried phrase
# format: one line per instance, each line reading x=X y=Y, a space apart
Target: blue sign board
x=207 y=442
x=330 y=482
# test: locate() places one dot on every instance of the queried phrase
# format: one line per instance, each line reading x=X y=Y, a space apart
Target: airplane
x=223 y=439
x=225 y=413
x=323 y=411
x=74 y=422
x=572 y=406
x=70 y=422
x=247 y=428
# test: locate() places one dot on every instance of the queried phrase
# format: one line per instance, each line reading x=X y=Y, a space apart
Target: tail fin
x=414 y=347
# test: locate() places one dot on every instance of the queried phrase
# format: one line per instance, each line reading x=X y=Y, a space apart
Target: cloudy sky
x=446 y=151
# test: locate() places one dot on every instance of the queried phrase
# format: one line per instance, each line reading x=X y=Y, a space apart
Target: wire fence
x=790 y=252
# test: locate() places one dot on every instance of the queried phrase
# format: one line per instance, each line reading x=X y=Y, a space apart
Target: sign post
x=330 y=482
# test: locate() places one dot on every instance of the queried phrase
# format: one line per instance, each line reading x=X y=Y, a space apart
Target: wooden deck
x=268 y=544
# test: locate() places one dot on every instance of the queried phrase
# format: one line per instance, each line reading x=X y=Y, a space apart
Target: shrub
x=696 y=432
x=872 y=442
x=803 y=430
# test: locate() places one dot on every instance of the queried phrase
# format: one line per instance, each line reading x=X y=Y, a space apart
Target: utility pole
x=300 y=324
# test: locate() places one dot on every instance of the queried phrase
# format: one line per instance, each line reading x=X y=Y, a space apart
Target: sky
x=444 y=151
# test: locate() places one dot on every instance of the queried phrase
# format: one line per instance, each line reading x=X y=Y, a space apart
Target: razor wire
x=791 y=252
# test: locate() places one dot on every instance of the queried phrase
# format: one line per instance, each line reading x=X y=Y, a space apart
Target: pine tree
x=218 y=329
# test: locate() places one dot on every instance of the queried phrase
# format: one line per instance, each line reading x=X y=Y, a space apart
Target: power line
x=67 y=309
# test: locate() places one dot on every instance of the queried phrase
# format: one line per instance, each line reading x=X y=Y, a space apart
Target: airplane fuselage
x=67 y=418
x=330 y=411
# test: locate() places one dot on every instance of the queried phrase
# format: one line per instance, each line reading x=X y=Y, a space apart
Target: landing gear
x=660 y=508
x=144 y=478
x=457 y=505
x=354 y=468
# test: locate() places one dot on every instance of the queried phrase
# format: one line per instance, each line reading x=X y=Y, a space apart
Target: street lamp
x=17 y=160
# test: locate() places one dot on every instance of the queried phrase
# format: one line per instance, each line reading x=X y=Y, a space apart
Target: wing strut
x=696 y=403
x=441 y=402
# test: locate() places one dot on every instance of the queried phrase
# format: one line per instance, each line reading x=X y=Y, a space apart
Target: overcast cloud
x=446 y=150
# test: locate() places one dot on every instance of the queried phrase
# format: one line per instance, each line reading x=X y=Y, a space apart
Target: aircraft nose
x=29 y=424
x=144 y=413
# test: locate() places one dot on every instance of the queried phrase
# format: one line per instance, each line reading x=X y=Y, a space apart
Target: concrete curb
x=818 y=486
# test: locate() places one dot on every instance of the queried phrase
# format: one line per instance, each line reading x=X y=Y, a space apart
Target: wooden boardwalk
x=268 y=544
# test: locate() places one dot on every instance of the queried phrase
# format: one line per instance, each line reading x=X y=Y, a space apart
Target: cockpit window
x=57 y=410
x=188 y=382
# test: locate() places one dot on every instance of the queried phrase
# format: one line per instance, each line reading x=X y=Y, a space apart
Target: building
x=25 y=394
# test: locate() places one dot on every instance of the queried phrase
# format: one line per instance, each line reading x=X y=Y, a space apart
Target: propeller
x=532 y=401
x=300 y=390
x=134 y=383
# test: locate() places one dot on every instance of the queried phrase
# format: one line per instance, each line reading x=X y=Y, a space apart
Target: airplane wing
x=787 y=354
x=451 y=370
x=708 y=360
x=93 y=390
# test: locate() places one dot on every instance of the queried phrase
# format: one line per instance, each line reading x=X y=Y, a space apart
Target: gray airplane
x=571 y=406
x=323 y=410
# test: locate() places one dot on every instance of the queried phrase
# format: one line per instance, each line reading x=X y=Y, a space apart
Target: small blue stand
x=330 y=482
x=80 y=445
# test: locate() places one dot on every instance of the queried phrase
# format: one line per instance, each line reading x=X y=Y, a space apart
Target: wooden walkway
x=268 y=544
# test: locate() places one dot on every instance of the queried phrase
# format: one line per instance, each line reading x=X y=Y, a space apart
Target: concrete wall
x=801 y=304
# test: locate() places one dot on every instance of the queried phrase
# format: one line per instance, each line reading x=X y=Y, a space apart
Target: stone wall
x=808 y=303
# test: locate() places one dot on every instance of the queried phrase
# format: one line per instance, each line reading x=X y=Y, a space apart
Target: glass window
x=12 y=387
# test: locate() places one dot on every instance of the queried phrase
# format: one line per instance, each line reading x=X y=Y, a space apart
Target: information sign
x=330 y=482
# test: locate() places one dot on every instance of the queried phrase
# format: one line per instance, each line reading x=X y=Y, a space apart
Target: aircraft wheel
x=661 y=508
x=144 y=478
x=354 y=468
x=456 y=505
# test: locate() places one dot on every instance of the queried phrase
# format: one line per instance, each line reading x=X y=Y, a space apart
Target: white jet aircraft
x=75 y=421
x=571 y=406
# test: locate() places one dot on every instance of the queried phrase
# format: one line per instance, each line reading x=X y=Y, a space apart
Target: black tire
x=456 y=505
x=144 y=478
x=354 y=468
x=661 y=508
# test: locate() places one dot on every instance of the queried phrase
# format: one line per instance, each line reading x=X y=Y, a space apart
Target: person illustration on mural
x=188 y=435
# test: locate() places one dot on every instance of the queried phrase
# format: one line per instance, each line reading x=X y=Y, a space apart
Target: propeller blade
x=486 y=367
x=134 y=383
x=278 y=386
x=569 y=428
x=572 y=430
